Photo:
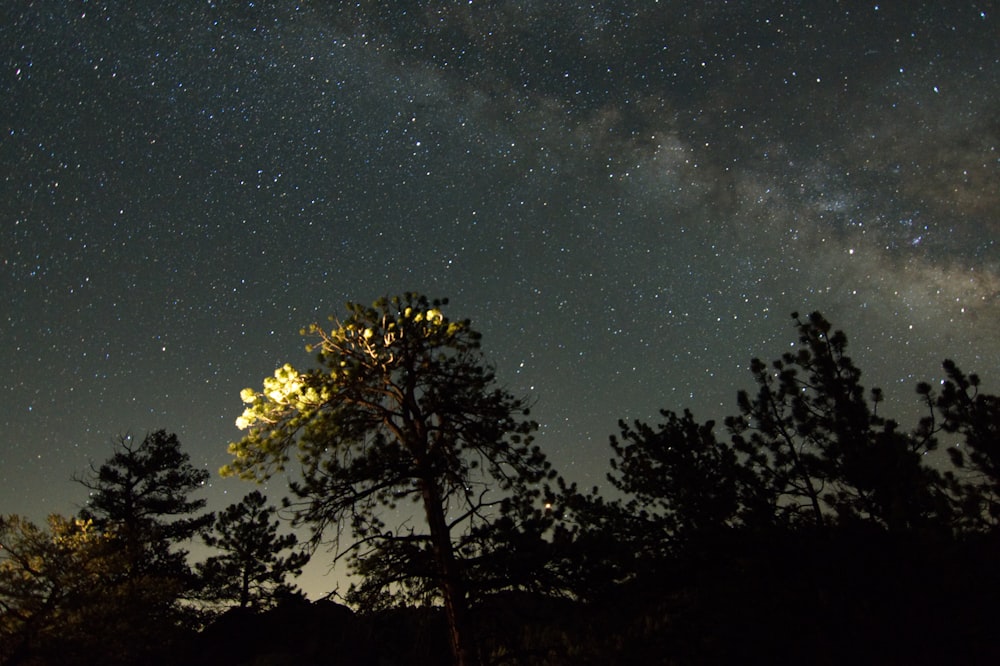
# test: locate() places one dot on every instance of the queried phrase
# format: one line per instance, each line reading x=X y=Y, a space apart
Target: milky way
x=627 y=198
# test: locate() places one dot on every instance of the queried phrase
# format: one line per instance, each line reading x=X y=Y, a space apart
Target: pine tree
x=141 y=496
x=403 y=408
x=682 y=482
x=250 y=571
x=823 y=452
x=142 y=493
x=971 y=418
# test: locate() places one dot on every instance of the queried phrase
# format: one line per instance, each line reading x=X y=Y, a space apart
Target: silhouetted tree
x=596 y=543
x=680 y=479
x=403 y=407
x=821 y=449
x=830 y=522
x=143 y=494
x=514 y=551
x=961 y=410
x=250 y=571
x=511 y=550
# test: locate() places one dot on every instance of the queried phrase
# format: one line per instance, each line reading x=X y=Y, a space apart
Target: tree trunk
x=450 y=576
x=245 y=586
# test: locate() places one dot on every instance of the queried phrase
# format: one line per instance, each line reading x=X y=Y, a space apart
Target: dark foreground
x=869 y=601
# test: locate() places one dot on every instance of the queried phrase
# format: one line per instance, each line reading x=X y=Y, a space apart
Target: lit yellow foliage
x=359 y=355
x=282 y=391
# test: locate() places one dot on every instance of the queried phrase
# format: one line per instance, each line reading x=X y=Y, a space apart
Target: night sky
x=627 y=198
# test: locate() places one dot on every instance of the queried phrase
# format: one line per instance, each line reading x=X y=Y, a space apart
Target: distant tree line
x=810 y=525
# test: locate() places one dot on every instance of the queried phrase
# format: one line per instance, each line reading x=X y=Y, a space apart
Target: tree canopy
x=820 y=449
x=54 y=584
x=402 y=406
x=251 y=570
x=143 y=491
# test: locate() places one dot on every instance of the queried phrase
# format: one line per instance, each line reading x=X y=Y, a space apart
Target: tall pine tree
x=142 y=497
x=403 y=407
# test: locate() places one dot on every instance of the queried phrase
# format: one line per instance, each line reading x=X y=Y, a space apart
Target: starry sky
x=627 y=198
